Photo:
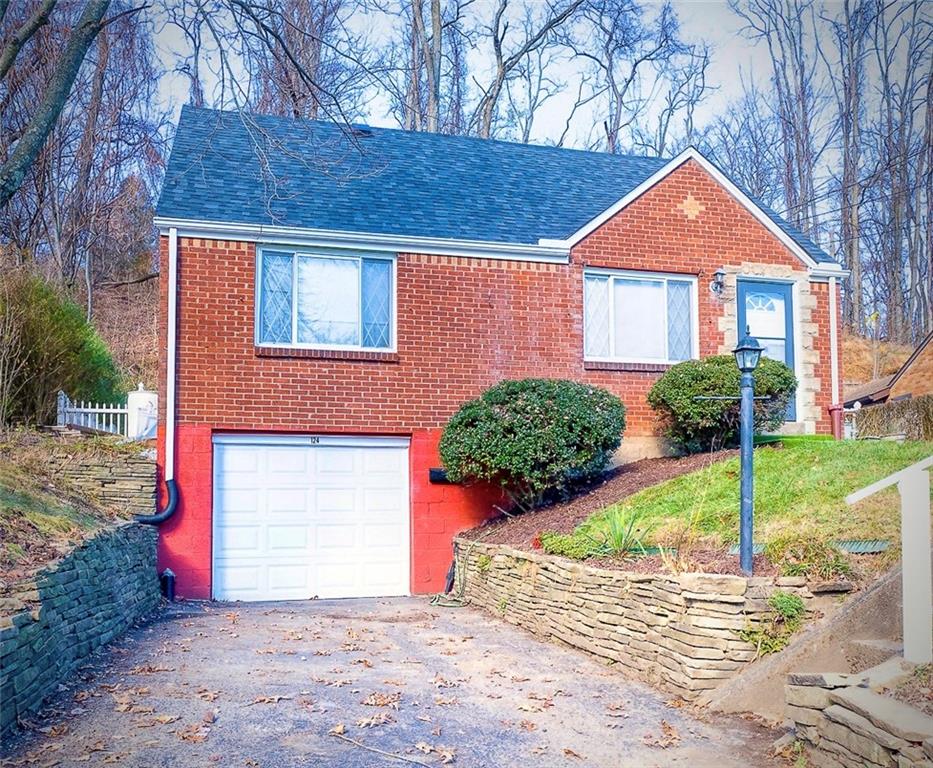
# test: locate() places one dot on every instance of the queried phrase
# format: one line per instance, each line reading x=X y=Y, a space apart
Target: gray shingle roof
x=401 y=183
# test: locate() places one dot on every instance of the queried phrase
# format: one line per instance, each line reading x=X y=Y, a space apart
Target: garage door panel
x=338 y=536
x=289 y=463
x=287 y=500
x=287 y=538
x=288 y=576
x=239 y=538
x=294 y=519
x=336 y=462
x=237 y=578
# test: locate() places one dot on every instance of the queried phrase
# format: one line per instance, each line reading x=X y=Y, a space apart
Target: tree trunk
x=14 y=170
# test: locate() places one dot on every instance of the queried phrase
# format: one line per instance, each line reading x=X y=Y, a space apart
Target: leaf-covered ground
x=356 y=683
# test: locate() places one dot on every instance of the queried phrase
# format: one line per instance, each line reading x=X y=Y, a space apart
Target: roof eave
x=362 y=241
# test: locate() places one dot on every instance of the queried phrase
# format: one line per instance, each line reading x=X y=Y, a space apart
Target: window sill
x=358 y=355
x=604 y=365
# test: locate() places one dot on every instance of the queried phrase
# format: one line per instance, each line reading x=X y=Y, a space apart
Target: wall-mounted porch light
x=718 y=283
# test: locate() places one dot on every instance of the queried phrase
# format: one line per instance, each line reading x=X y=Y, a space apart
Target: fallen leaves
x=338 y=730
x=150 y=669
x=440 y=682
x=570 y=753
x=206 y=694
x=668 y=738
x=380 y=718
x=274 y=699
x=195 y=733
x=446 y=754
x=379 y=699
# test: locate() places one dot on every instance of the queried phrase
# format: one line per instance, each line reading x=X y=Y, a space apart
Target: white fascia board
x=691 y=153
x=364 y=241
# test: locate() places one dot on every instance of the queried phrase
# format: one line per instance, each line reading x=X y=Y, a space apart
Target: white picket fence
x=135 y=419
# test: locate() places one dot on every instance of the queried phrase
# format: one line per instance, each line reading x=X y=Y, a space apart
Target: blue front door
x=767 y=309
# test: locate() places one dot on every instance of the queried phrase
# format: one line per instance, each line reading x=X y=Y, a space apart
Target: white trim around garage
x=349 y=441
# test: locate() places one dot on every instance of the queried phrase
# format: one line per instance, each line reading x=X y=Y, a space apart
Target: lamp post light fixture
x=747 y=354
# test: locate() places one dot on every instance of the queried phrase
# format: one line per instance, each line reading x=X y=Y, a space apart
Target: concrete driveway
x=317 y=683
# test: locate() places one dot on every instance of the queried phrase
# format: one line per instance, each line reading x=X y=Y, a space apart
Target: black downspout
x=165 y=514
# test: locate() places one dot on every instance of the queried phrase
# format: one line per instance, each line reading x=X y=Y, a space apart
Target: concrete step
x=863 y=654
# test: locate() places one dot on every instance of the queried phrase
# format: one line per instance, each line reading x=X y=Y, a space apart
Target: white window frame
x=321 y=254
x=664 y=277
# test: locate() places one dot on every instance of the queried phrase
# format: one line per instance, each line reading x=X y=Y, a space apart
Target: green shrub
x=46 y=345
x=700 y=425
x=533 y=437
x=568 y=545
x=787 y=614
x=616 y=532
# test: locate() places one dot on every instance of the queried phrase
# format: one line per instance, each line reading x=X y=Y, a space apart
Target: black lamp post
x=747 y=354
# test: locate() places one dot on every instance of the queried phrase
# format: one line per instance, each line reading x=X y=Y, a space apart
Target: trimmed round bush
x=533 y=437
x=701 y=425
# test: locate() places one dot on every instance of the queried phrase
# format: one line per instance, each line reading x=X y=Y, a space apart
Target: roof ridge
x=431 y=135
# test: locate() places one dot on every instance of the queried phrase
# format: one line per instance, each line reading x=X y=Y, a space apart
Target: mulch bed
x=519 y=531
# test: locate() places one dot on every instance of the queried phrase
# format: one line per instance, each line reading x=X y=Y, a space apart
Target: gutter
x=172 y=333
x=327 y=238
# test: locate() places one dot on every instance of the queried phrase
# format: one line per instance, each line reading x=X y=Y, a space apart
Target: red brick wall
x=463 y=324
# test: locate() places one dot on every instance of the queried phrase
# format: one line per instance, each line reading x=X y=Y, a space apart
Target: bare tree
x=787 y=28
x=685 y=87
x=850 y=35
x=28 y=145
x=508 y=55
x=745 y=141
x=623 y=52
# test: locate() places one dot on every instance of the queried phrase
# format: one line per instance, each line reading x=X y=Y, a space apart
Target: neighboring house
x=913 y=378
x=329 y=300
x=870 y=393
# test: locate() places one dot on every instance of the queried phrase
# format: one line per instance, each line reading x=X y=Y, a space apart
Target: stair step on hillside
x=867 y=653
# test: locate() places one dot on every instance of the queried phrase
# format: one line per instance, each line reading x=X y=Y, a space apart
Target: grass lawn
x=800 y=490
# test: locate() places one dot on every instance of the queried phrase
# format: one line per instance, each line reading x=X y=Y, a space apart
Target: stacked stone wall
x=51 y=623
x=119 y=479
x=847 y=724
x=678 y=632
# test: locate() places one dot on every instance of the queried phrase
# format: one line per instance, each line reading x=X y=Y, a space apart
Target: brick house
x=330 y=297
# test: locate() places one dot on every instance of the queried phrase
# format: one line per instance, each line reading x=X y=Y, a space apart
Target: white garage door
x=299 y=517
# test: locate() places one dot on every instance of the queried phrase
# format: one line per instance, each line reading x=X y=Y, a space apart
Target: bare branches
x=27 y=29
x=535 y=36
x=30 y=143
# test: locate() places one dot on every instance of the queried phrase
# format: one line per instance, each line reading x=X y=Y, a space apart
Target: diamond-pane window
x=596 y=304
x=340 y=301
x=633 y=317
x=275 y=320
x=376 y=299
x=679 y=320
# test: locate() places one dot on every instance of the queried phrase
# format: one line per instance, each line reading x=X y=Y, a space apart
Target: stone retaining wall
x=844 y=722
x=50 y=624
x=118 y=478
x=679 y=633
